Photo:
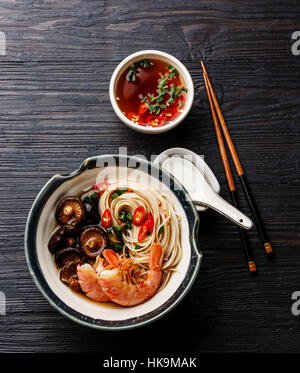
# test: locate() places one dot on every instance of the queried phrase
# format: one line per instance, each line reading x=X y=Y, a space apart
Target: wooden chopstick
x=230 y=181
x=250 y=198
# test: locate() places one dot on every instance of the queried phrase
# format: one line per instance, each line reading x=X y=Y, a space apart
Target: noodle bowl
x=109 y=316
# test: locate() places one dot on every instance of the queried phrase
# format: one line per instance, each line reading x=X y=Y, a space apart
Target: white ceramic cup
x=185 y=76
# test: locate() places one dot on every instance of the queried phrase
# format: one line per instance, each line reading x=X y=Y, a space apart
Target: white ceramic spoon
x=201 y=192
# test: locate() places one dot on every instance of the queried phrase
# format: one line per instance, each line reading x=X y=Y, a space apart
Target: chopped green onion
x=115 y=195
x=128 y=217
x=133 y=69
x=117 y=247
x=172 y=91
x=94 y=195
x=156 y=102
x=146 y=63
x=161 y=229
x=137 y=247
x=87 y=200
x=122 y=216
x=118 y=228
x=151 y=108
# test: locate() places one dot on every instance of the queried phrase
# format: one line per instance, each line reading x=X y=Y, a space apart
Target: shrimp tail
x=112 y=257
x=156 y=257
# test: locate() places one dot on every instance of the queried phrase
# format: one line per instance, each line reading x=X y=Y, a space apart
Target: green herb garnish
x=155 y=103
x=161 y=229
x=87 y=200
x=131 y=77
x=109 y=230
x=118 y=192
x=128 y=225
x=122 y=216
x=128 y=217
x=117 y=247
x=137 y=247
x=118 y=228
x=115 y=195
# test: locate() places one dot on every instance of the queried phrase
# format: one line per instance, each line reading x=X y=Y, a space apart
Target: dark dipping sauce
x=151 y=94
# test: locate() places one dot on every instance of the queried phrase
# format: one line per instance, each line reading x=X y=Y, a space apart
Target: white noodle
x=164 y=214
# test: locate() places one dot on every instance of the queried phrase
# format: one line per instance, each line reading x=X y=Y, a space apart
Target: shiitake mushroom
x=68 y=274
x=91 y=201
x=93 y=241
x=63 y=236
x=92 y=213
x=68 y=254
x=70 y=210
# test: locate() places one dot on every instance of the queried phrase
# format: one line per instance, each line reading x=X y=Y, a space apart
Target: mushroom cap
x=63 y=236
x=70 y=210
x=68 y=274
x=69 y=230
x=93 y=241
x=54 y=242
x=68 y=254
x=92 y=213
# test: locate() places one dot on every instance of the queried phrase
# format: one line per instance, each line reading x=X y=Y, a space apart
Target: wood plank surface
x=55 y=112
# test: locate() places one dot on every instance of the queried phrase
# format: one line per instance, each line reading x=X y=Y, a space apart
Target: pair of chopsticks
x=217 y=118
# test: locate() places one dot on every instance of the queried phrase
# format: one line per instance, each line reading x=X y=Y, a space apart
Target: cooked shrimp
x=89 y=282
x=119 y=283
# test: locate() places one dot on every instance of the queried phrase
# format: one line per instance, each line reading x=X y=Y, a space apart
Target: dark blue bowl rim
x=55 y=301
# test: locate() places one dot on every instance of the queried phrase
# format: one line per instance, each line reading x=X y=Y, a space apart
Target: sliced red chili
x=143 y=231
x=142 y=108
x=138 y=216
x=154 y=121
x=106 y=219
x=135 y=118
x=167 y=114
x=150 y=221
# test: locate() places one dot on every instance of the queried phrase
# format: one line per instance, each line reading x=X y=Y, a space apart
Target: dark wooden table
x=55 y=112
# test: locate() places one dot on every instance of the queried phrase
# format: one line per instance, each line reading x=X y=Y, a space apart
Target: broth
x=151 y=93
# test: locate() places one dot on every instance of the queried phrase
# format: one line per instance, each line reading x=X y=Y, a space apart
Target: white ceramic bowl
x=185 y=75
x=40 y=224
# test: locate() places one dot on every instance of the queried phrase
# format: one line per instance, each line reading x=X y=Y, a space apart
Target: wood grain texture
x=55 y=112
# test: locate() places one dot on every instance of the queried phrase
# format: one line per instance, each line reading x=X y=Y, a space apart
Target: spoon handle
x=211 y=199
